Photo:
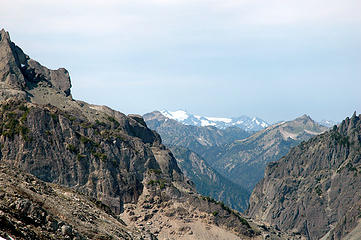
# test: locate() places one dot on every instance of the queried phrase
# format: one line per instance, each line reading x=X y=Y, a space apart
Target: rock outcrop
x=315 y=189
x=19 y=73
x=106 y=160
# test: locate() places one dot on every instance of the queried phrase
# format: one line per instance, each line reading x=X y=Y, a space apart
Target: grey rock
x=49 y=213
x=19 y=72
x=10 y=72
x=66 y=230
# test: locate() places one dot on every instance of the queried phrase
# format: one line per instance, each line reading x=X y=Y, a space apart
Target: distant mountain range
x=237 y=154
x=195 y=138
x=243 y=122
x=328 y=123
x=244 y=161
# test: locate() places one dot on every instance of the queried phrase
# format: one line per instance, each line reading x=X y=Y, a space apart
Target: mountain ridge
x=244 y=122
x=195 y=138
x=244 y=161
x=33 y=209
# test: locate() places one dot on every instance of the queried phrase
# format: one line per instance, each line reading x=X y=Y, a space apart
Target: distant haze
x=272 y=59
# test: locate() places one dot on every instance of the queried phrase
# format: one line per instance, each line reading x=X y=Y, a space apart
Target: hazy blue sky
x=275 y=59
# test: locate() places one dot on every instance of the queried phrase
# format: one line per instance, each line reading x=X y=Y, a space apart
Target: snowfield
x=244 y=122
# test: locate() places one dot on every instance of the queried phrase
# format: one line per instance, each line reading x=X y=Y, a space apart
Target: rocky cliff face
x=97 y=151
x=18 y=72
x=315 y=189
x=106 y=160
x=94 y=149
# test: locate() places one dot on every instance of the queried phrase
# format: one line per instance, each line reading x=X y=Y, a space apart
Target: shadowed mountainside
x=209 y=182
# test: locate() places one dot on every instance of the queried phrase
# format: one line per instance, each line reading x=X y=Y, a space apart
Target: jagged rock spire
x=10 y=73
x=19 y=72
x=354 y=114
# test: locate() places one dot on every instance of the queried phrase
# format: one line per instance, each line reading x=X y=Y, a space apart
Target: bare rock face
x=58 y=79
x=171 y=210
x=95 y=150
x=315 y=189
x=19 y=72
x=101 y=159
x=10 y=62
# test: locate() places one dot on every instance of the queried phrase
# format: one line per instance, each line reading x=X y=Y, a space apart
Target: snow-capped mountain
x=328 y=123
x=243 y=122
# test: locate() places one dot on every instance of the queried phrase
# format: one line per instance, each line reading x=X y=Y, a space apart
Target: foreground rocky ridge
x=33 y=209
x=315 y=189
x=96 y=151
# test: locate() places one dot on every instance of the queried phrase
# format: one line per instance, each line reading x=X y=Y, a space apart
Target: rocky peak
x=155 y=115
x=10 y=73
x=304 y=117
x=19 y=72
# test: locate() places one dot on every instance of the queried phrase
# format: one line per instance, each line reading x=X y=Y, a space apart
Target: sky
x=274 y=59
